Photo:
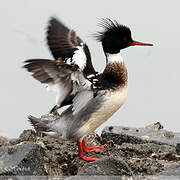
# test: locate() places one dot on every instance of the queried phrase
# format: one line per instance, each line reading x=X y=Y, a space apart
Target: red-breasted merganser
x=93 y=98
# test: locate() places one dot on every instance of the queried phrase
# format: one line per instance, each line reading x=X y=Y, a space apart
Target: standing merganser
x=93 y=98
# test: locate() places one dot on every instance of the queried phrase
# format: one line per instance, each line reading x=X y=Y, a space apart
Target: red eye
x=125 y=38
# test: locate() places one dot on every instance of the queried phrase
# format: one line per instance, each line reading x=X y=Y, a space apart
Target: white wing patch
x=78 y=58
x=78 y=79
x=80 y=82
x=61 y=90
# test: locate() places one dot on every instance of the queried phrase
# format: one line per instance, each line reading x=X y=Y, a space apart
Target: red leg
x=91 y=149
x=81 y=154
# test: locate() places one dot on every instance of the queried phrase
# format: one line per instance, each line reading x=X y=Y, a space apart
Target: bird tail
x=40 y=124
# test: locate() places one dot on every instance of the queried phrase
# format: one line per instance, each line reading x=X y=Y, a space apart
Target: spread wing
x=68 y=73
x=63 y=78
x=48 y=71
x=64 y=43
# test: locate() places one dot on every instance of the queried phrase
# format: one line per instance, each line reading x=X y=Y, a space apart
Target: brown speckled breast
x=117 y=73
x=114 y=76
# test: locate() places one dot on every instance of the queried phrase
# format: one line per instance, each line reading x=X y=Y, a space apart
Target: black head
x=115 y=37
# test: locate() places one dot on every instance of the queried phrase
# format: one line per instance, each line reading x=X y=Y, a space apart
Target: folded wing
x=70 y=125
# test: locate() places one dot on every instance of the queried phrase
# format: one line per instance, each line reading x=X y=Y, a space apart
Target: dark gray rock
x=151 y=150
x=129 y=152
x=25 y=159
x=178 y=148
x=98 y=178
x=145 y=166
x=175 y=171
x=107 y=166
x=120 y=134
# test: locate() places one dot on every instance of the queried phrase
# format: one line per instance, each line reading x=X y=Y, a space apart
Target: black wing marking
x=61 y=40
x=63 y=43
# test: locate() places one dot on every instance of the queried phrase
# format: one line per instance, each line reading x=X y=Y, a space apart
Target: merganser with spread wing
x=93 y=98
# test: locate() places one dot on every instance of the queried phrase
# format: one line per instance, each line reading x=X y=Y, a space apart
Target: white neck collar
x=114 y=58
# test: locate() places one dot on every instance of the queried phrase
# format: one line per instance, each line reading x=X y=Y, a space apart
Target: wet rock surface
x=129 y=152
x=152 y=133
